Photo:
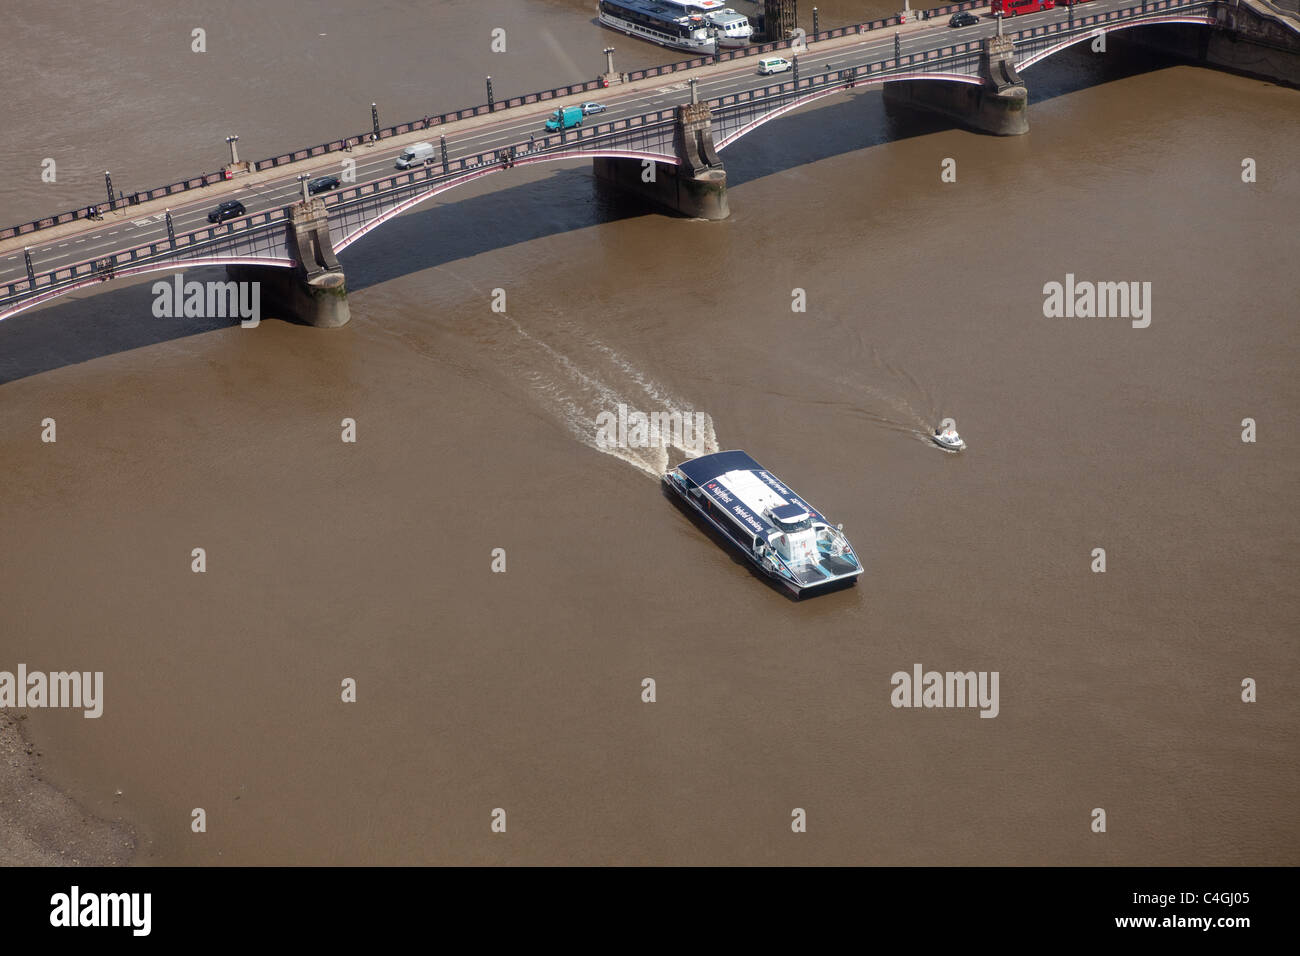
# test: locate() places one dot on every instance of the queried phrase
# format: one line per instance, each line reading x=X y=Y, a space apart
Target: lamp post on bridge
x=108 y=183
x=898 y=48
x=231 y=140
x=609 y=60
x=374 y=122
x=695 y=93
x=492 y=102
x=27 y=258
x=815 y=27
x=171 y=229
x=442 y=142
x=302 y=181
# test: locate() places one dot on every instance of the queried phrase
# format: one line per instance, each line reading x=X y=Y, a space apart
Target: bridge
x=647 y=141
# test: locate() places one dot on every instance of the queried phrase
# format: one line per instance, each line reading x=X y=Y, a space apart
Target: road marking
x=141 y=222
x=62 y=245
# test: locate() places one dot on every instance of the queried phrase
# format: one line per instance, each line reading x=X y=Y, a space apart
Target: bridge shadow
x=555 y=200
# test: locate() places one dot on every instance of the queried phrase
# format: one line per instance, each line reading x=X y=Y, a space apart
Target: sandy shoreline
x=39 y=824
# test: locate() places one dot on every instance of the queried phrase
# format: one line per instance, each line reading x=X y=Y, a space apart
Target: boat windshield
x=790 y=527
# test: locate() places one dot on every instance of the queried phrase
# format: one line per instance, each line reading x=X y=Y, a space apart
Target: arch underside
x=92 y=281
x=344 y=239
x=1199 y=20
x=879 y=80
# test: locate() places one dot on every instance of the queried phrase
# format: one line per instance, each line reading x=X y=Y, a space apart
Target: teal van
x=570 y=116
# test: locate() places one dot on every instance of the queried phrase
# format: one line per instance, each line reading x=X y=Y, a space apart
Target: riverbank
x=39 y=824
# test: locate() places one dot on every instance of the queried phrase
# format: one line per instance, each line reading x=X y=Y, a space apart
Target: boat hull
x=683 y=498
x=641 y=33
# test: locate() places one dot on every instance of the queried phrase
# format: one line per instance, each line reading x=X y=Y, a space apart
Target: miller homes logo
x=1086 y=300
x=208 y=300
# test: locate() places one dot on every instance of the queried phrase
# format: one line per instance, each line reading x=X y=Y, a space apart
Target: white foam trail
x=580 y=394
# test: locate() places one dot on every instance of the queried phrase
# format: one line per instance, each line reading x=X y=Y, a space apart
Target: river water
x=476 y=430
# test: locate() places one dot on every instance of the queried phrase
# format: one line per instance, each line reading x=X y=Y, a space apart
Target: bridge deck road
x=83 y=240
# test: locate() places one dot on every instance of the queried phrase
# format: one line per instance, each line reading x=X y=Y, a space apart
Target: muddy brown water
x=522 y=690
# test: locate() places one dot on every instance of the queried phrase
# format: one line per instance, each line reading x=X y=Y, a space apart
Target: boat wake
x=596 y=395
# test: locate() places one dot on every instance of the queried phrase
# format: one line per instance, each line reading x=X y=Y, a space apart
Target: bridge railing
x=562 y=142
x=159 y=250
x=441 y=119
x=1084 y=23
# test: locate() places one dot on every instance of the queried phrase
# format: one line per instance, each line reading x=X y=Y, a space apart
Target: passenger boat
x=779 y=532
x=732 y=29
x=660 y=22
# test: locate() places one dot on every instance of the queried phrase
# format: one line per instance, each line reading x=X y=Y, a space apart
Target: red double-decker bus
x=1010 y=8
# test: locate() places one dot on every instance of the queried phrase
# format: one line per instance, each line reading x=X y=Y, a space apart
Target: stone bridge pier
x=314 y=291
x=697 y=188
x=998 y=105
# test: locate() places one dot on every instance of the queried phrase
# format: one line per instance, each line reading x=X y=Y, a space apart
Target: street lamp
x=302 y=178
x=695 y=95
x=609 y=60
x=374 y=120
x=231 y=140
x=491 y=99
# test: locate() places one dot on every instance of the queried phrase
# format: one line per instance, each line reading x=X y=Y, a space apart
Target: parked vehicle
x=565 y=118
x=772 y=64
x=414 y=155
x=230 y=209
x=322 y=183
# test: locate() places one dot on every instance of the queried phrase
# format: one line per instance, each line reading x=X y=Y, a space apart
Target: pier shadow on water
x=89 y=324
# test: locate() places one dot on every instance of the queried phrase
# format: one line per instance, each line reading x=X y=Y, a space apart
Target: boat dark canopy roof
x=707 y=467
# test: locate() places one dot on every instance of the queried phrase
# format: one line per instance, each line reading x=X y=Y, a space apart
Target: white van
x=772 y=64
x=414 y=155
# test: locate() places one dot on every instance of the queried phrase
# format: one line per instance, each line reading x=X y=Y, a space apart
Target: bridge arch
x=445 y=185
x=811 y=96
x=1198 y=19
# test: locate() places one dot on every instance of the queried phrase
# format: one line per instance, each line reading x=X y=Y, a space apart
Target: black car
x=227 y=210
x=963 y=20
x=322 y=183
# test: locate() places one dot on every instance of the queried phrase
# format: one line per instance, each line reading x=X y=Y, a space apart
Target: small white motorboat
x=948 y=439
